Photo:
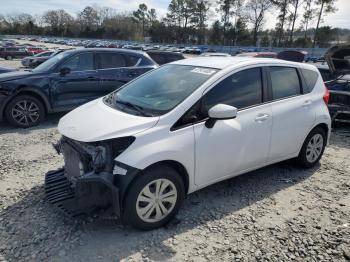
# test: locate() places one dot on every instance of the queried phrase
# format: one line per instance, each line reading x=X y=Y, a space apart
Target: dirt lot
x=279 y=213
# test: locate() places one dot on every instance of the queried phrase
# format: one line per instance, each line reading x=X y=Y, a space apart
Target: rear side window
x=284 y=82
x=111 y=60
x=242 y=89
x=310 y=78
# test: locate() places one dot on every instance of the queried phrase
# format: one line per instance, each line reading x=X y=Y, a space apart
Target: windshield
x=50 y=63
x=159 y=91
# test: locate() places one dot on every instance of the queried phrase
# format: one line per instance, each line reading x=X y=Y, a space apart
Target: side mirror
x=220 y=112
x=64 y=71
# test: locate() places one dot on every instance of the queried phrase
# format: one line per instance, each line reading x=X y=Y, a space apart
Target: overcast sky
x=339 y=19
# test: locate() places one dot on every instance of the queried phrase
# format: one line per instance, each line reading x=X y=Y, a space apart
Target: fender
x=36 y=91
x=25 y=89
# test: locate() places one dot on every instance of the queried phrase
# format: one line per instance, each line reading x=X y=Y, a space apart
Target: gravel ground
x=278 y=213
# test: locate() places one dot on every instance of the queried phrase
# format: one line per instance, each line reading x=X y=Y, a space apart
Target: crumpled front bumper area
x=89 y=193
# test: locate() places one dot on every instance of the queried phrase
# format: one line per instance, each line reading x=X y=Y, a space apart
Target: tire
x=134 y=207
x=316 y=141
x=8 y=57
x=25 y=111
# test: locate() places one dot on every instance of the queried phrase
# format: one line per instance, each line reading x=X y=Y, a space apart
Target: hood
x=96 y=121
x=338 y=59
x=14 y=75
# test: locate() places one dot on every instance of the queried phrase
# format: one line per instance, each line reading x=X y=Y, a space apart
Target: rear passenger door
x=116 y=69
x=292 y=112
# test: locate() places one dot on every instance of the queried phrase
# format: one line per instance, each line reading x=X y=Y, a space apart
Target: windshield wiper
x=139 y=109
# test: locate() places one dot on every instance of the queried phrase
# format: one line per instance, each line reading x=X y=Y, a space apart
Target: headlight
x=117 y=170
x=104 y=154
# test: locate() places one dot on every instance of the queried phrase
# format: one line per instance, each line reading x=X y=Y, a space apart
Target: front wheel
x=313 y=148
x=25 y=111
x=154 y=198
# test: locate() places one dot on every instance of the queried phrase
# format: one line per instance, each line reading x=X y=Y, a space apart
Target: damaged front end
x=90 y=179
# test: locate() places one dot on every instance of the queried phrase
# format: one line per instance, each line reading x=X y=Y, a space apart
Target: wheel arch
x=24 y=90
x=170 y=163
x=322 y=125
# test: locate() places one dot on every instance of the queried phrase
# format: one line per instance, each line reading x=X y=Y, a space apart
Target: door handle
x=307 y=103
x=262 y=117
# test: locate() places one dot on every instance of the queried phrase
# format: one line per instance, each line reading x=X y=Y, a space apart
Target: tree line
x=236 y=22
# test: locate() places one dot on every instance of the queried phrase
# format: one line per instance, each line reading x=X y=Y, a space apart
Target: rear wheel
x=154 y=198
x=25 y=111
x=8 y=57
x=313 y=148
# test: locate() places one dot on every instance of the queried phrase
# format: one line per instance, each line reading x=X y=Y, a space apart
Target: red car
x=35 y=50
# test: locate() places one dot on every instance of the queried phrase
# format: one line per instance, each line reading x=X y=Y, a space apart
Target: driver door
x=79 y=85
x=233 y=145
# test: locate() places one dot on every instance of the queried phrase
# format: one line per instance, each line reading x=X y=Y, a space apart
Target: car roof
x=225 y=62
x=119 y=50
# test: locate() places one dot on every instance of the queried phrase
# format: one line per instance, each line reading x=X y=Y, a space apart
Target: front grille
x=76 y=161
x=72 y=162
x=339 y=99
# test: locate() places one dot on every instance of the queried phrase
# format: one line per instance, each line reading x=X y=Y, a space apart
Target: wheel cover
x=314 y=148
x=25 y=112
x=156 y=200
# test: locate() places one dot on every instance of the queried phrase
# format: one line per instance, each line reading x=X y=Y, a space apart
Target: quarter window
x=132 y=60
x=242 y=89
x=310 y=78
x=81 y=62
x=284 y=82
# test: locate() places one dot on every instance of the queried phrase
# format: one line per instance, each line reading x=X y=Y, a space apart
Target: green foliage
x=239 y=22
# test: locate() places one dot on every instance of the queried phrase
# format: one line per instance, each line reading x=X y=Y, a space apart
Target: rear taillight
x=326 y=96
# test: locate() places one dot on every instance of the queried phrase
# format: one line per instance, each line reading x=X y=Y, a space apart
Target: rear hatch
x=338 y=59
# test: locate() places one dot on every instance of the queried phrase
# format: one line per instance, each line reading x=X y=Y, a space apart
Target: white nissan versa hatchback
x=182 y=127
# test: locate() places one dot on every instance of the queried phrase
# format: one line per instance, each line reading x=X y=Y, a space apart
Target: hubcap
x=25 y=112
x=314 y=148
x=156 y=200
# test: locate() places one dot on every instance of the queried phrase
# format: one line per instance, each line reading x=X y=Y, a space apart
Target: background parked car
x=35 y=60
x=9 y=53
x=66 y=81
x=258 y=54
x=208 y=54
x=164 y=57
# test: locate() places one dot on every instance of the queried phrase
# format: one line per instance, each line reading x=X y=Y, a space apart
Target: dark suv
x=9 y=53
x=66 y=81
x=164 y=57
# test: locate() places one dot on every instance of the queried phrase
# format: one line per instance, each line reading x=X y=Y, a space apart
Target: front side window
x=81 y=62
x=284 y=82
x=159 y=91
x=51 y=63
x=111 y=60
x=242 y=89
